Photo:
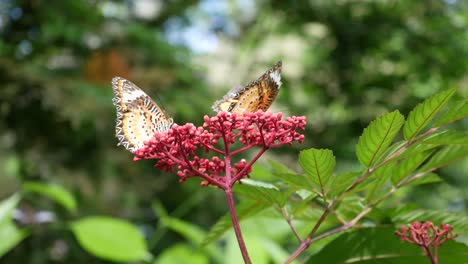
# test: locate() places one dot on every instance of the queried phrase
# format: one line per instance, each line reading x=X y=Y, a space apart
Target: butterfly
x=257 y=95
x=138 y=116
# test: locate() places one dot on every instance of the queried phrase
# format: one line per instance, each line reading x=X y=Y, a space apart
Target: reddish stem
x=235 y=224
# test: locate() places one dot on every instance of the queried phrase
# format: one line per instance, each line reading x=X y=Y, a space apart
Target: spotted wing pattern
x=257 y=95
x=138 y=116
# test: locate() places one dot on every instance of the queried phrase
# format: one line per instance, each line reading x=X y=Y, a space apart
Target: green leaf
x=428 y=178
x=279 y=167
x=10 y=236
x=111 y=239
x=341 y=182
x=377 y=137
x=53 y=192
x=424 y=112
x=181 y=253
x=261 y=191
x=190 y=231
x=447 y=137
x=6 y=208
x=297 y=181
x=448 y=154
x=407 y=166
x=380 y=245
x=244 y=210
x=382 y=174
x=318 y=165
x=456 y=111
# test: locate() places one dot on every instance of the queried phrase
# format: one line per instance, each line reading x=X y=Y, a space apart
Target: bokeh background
x=345 y=62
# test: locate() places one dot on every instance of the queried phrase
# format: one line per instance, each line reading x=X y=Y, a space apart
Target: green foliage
x=54 y=192
x=318 y=165
x=423 y=113
x=10 y=235
x=344 y=64
x=377 y=137
x=456 y=111
x=181 y=253
x=110 y=238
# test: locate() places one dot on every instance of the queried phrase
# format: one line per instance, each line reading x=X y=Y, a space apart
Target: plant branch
x=235 y=224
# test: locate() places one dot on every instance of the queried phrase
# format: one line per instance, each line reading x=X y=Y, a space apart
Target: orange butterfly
x=138 y=116
x=257 y=95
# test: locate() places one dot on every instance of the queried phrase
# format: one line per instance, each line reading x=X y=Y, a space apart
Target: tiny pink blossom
x=426 y=235
x=178 y=148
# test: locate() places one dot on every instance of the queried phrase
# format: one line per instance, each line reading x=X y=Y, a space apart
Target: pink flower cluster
x=178 y=148
x=426 y=234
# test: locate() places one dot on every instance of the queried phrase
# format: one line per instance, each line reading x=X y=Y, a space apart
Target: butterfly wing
x=138 y=116
x=257 y=95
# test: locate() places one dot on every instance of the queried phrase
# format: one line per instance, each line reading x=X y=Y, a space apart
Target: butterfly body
x=138 y=116
x=257 y=95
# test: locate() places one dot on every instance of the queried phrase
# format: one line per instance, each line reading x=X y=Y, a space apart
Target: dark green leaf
x=424 y=112
x=111 y=239
x=54 y=192
x=456 y=111
x=318 y=165
x=377 y=137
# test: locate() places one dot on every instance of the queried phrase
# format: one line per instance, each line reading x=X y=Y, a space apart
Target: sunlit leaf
x=407 y=166
x=7 y=206
x=279 y=168
x=456 y=111
x=297 y=181
x=341 y=182
x=182 y=253
x=424 y=112
x=318 y=165
x=377 y=137
x=447 y=137
x=261 y=191
x=427 y=178
x=381 y=176
x=448 y=154
x=10 y=236
x=55 y=192
x=111 y=239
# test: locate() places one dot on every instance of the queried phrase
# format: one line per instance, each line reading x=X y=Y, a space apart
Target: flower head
x=425 y=234
x=178 y=148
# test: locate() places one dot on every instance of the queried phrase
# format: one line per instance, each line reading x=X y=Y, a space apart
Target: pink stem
x=241 y=173
x=235 y=224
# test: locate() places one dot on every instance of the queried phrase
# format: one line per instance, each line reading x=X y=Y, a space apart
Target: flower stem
x=235 y=224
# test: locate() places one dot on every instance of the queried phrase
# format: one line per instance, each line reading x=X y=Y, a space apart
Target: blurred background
x=345 y=62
